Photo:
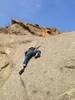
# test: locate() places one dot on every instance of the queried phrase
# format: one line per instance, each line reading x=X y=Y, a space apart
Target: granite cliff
x=50 y=77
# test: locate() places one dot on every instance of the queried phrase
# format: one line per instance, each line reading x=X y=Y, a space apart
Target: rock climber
x=31 y=52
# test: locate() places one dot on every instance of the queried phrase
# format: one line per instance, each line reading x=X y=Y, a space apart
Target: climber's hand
x=38 y=55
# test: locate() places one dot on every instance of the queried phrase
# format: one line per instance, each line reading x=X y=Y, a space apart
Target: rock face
x=50 y=77
x=18 y=27
x=5 y=67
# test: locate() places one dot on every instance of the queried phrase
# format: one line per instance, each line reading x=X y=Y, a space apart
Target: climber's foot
x=21 y=71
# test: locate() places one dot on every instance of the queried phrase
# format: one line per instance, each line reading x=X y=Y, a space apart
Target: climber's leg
x=22 y=70
x=24 y=65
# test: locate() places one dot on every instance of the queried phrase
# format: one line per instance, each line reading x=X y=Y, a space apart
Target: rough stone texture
x=19 y=28
x=68 y=95
x=6 y=66
x=50 y=77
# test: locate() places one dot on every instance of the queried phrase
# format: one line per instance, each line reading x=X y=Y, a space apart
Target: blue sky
x=47 y=13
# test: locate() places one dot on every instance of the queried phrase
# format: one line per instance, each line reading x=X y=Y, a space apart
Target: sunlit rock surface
x=50 y=77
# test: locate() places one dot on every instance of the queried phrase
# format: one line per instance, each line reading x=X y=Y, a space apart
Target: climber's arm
x=38 y=54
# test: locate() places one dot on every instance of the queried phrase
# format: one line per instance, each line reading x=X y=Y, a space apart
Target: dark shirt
x=31 y=53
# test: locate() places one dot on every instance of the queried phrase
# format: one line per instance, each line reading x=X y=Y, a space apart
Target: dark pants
x=27 y=59
x=28 y=56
